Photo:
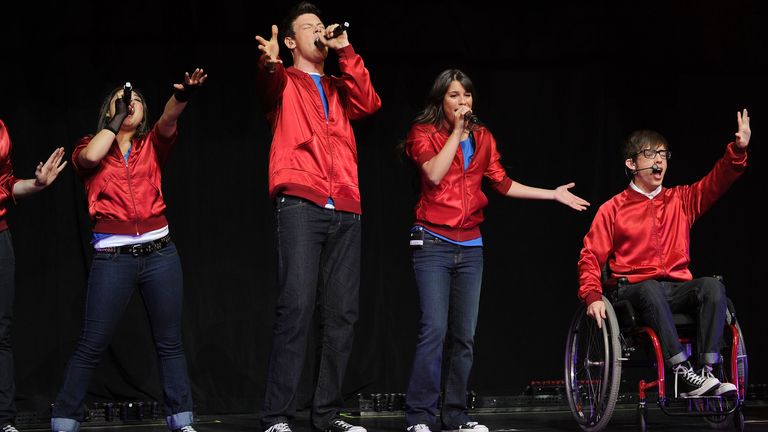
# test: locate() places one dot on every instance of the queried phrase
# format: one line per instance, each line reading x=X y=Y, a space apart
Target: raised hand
x=270 y=49
x=191 y=83
x=563 y=195
x=744 y=133
x=46 y=173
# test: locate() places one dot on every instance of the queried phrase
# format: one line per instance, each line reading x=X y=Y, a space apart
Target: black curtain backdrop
x=559 y=86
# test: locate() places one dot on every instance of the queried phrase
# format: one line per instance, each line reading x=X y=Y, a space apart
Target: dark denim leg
x=432 y=267
x=650 y=302
x=7 y=290
x=162 y=288
x=705 y=297
x=338 y=304
x=110 y=285
x=464 y=307
x=302 y=228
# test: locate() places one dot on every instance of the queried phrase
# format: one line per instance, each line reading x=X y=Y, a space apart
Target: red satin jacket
x=126 y=197
x=454 y=208
x=7 y=179
x=642 y=238
x=310 y=157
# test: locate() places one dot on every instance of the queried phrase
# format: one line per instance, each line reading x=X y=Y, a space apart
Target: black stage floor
x=623 y=420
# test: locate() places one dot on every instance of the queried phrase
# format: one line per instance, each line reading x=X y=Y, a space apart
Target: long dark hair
x=433 y=111
x=104 y=118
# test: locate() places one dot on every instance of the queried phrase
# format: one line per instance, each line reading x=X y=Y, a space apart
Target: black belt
x=139 y=249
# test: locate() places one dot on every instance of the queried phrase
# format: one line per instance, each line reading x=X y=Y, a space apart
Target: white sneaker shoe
x=471 y=426
x=421 y=427
x=724 y=389
x=279 y=427
x=340 y=425
x=693 y=384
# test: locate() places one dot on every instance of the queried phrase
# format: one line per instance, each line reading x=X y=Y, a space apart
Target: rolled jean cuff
x=710 y=358
x=179 y=420
x=677 y=358
x=64 y=424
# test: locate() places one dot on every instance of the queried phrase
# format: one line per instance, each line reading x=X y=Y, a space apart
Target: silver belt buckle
x=136 y=250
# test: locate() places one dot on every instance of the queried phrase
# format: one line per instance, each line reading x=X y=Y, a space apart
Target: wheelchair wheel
x=720 y=421
x=642 y=418
x=593 y=368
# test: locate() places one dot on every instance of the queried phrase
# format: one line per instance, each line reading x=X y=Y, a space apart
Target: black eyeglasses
x=650 y=154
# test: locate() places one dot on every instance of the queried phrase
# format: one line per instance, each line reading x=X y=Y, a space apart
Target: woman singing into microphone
x=453 y=152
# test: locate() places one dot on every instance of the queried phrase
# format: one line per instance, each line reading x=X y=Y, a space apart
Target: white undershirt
x=650 y=195
x=122 y=239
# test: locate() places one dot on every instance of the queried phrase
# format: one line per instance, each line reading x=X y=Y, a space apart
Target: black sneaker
x=468 y=427
x=9 y=428
x=693 y=384
x=279 y=427
x=724 y=389
x=339 y=425
x=187 y=428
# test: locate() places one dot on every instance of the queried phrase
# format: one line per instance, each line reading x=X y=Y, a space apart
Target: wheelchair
x=594 y=358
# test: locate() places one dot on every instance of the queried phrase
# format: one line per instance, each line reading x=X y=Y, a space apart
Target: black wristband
x=186 y=93
x=110 y=128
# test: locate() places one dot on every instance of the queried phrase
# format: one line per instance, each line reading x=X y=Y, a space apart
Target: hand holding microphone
x=332 y=34
x=471 y=118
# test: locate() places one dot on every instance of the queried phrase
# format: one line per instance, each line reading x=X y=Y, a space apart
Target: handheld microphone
x=334 y=34
x=127 y=90
x=471 y=118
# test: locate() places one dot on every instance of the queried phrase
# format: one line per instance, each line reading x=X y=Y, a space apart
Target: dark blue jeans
x=7 y=271
x=314 y=245
x=656 y=301
x=112 y=281
x=448 y=277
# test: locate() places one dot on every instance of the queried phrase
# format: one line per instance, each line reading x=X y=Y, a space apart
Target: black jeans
x=656 y=301
x=7 y=272
x=313 y=244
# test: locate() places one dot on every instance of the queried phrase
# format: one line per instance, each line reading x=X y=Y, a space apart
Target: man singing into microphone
x=313 y=181
x=643 y=234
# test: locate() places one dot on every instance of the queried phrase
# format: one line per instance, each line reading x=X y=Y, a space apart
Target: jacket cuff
x=503 y=186
x=592 y=297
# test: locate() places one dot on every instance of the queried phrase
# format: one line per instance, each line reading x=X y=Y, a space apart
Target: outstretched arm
x=560 y=194
x=166 y=126
x=45 y=174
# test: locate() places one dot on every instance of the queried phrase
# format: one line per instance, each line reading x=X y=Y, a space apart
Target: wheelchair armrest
x=625 y=314
x=610 y=285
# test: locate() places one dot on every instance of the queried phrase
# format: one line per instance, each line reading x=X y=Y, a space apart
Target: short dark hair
x=642 y=139
x=302 y=8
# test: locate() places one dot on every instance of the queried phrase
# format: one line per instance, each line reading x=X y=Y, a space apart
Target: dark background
x=559 y=86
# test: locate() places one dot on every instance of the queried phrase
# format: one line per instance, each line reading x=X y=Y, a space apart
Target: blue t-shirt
x=473 y=242
x=467 y=149
x=318 y=83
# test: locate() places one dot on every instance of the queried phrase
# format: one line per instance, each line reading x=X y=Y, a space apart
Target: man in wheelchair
x=643 y=234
